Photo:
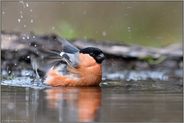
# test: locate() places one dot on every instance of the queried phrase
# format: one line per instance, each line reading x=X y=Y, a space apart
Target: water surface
x=89 y=104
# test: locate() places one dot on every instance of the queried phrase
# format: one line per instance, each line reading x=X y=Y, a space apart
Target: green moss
x=153 y=61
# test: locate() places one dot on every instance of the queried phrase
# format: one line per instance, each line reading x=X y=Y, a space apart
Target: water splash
x=24 y=82
x=25 y=14
x=22 y=3
x=136 y=75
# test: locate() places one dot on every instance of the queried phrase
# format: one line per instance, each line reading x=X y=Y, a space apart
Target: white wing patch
x=71 y=59
x=62 y=53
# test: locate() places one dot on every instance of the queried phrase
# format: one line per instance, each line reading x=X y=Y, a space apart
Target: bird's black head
x=96 y=53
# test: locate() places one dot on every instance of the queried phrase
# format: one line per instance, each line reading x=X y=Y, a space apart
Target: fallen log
x=134 y=51
x=17 y=48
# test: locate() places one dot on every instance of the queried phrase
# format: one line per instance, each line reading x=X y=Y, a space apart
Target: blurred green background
x=153 y=24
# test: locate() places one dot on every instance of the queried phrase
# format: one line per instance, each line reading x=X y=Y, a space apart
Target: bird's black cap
x=96 y=53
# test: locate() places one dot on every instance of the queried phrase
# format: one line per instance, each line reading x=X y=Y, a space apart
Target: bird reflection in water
x=74 y=104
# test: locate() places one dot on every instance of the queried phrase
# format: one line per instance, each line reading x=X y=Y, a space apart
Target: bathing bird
x=75 y=67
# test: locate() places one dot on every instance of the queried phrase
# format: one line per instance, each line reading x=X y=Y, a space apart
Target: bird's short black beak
x=100 y=58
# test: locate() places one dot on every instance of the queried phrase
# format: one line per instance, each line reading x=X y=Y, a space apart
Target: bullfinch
x=76 y=67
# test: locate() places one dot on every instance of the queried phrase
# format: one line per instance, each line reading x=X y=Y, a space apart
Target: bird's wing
x=69 y=53
x=68 y=47
x=72 y=60
x=63 y=52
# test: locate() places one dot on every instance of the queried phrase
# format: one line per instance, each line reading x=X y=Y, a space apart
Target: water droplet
x=28 y=57
x=31 y=21
x=9 y=71
x=25 y=26
x=53 y=28
x=129 y=30
x=27 y=37
x=11 y=106
x=21 y=16
x=34 y=36
x=23 y=38
x=19 y=20
x=3 y=12
x=15 y=64
x=27 y=5
x=104 y=33
x=85 y=37
x=35 y=45
x=31 y=10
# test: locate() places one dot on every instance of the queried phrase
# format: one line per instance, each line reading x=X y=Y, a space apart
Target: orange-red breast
x=76 y=67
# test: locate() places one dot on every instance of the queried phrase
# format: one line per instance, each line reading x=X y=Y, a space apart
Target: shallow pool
x=89 y=104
